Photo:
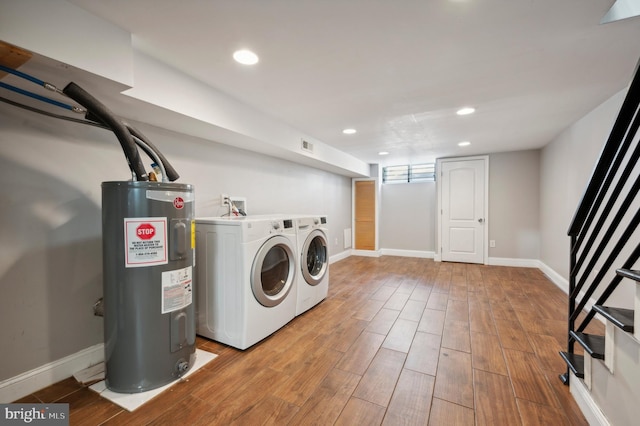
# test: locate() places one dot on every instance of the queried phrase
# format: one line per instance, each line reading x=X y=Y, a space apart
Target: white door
x=463 y=210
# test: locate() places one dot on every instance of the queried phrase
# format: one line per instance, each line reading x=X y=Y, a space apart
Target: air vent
x=307 y=146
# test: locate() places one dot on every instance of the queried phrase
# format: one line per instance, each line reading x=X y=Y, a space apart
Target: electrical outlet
x=224 y=199
x=492 y=243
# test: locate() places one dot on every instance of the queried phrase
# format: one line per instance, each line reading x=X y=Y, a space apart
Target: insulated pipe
x=144 y=144
x=152 y=154
x=131 y=153
x=171 y=173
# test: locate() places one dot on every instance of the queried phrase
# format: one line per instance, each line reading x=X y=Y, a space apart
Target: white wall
x=514 y=195
x=409 y=210
x=50 y=251
x=407 y=216
x=565 y=168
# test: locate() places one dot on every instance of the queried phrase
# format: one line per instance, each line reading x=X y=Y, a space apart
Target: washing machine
x=246 y=271
x=313 y=280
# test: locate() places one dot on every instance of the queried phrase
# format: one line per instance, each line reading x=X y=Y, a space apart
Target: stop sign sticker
x=145 y=240
x=145 y=231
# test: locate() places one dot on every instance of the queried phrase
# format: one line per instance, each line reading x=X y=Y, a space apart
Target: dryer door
x=315 y=260
x=273 y=271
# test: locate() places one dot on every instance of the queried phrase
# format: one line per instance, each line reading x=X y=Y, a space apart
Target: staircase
x=605 y=247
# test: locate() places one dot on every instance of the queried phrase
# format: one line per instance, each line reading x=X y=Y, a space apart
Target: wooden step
x=629 y=273
x=592 y=344
x=575 y=363
x=620 y=317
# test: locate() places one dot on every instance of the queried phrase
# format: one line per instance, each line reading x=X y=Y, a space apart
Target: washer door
x=315 y=260
x=273 y=271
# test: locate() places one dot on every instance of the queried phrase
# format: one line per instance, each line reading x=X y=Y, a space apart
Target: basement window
x=409 y=173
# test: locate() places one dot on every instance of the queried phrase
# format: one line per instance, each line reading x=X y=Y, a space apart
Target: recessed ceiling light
x=466 y=111
x=464 y=143
x=383 y=153
x=349 y=131
x=245 y=57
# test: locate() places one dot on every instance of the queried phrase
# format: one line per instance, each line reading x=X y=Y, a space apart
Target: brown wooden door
x=365 y=215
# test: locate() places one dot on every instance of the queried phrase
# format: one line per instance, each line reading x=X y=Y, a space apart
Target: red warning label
x=146 y=231
x=145 y=240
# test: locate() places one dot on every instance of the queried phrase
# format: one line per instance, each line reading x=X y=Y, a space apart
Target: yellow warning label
x=193 y=234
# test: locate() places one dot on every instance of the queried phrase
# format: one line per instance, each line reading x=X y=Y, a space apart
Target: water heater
x=148 y=258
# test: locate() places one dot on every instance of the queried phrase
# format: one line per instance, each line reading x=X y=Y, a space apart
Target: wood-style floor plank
x=454 y=378
x=397 y=340
x=450 y=414
x=545 y=347
x=456 y=337
x=481 y=320
x=384 y=293
x=486 y=353
x=540 y=415
x=424 y=353
x=438 y=301
x=368 y=310
x=325 y=405
x=397 y=301
x=360 y=412
x=300 y=385
x=90 y=407
x=432 y=321
x=457 y=312
x=54 y=393
x=411 y=400
x=421 y=293
x=495 y=403
x=413 y=310
x=383 y=321
x=569 y=407
x=529 y=382
x=379 y=381
x=512 y=336
x=401 y=335
x=361 y=354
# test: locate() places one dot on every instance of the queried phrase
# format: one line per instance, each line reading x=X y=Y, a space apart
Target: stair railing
x=602 y=227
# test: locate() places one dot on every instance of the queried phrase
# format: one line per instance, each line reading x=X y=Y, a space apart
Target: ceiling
x=398 y=70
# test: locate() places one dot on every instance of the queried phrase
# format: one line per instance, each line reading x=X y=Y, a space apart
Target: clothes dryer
x=313 y=280
x=245 y=278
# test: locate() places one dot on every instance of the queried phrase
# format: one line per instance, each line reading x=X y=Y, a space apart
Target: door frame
x=439 y=161
x=376 y=251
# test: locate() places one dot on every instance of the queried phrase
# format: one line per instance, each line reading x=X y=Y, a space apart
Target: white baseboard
x=48 y=374
x=340 y=256
x=563 y=284
x=507 y=261
x=560 y=282
x=366 y=253
x=587 y=405
x=408 y=253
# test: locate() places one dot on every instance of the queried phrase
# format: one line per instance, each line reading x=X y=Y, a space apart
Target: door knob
x=480 y=220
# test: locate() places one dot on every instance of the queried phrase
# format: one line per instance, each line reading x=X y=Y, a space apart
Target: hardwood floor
x=397 y=341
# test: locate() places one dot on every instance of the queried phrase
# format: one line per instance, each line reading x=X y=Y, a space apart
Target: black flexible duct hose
x=79 y=95
x=172 y=174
